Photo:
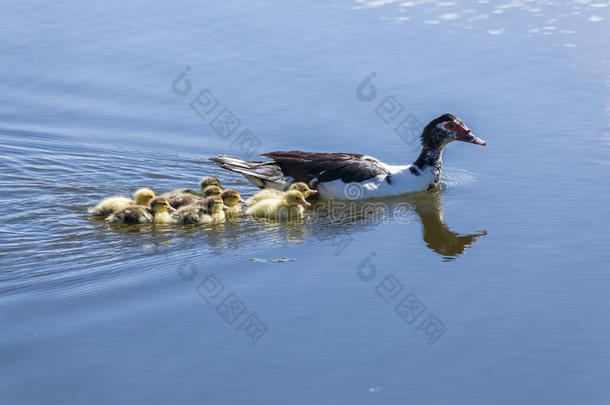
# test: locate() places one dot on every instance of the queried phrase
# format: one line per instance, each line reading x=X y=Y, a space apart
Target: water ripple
x=50 y=182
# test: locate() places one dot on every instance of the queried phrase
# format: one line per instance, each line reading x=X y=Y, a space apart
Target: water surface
x=506 y=258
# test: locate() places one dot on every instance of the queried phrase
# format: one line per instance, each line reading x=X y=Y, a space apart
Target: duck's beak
x=304 y=203
x=242 y=201
x=464 y=134
x=225 y=208
x=312 y=192
x=171 y=209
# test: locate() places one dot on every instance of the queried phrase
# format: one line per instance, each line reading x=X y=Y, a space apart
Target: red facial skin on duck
x=463 y=133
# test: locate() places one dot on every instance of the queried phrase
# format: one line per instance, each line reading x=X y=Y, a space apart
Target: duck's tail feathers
x=261 y=174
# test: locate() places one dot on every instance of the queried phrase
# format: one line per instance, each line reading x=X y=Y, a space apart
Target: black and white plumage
x=356 y=176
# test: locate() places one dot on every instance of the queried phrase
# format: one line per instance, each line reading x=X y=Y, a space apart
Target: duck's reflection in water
x=436 y=233
x=333 y=219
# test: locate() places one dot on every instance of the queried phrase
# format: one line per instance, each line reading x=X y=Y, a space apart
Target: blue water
x=491 y=289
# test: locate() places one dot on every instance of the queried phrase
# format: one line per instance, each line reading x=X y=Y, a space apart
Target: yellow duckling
x=208 y=211
x=137 y=214
x=214 y=211
x=111 y=205
x=290 y=207
x=233 y=201
x=270 y=193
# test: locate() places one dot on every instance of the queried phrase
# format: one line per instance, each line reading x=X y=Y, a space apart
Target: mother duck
x=355 y=176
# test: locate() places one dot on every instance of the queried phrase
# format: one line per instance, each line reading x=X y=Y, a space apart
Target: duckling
x=111 y=205
x=290 y=207
x=270 y=193
x=209 y=181
x=190 y=214
x=211 y=191
x=203 y=183
x=233 y=201
x=209 y=211
x=182 y=197
x=214 y=211
x=137 y=214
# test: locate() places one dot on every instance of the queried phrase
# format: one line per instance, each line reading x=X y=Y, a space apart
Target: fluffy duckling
x=214 y=210
x=270 y=193
x=233 y=201
x=203 y=183
x=290 y=207
x=137 y=214
x=211 y=191
x=182 y=197
x=111 y=205
x=209 y=211
x=209 y=181
x=191 y=214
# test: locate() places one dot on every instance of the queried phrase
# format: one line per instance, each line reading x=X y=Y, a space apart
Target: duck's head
x=303 y=188
x=211 y=191
x=445 y=129
x=160 y=205
x=295 y=197
x=209 y=181
x=144 y=196
x=231 y=198
x=214 y=205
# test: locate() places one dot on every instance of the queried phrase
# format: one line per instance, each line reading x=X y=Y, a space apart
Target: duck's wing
x=309 y=167
x=314 y=167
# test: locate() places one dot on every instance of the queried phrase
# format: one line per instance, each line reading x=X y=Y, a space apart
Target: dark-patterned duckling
x=111 y=205
x=190 y=214
x=271 y=193
x=182 y=197
x=209 y=181
x=211 y=191
x=208 y=211
x=159 y=212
